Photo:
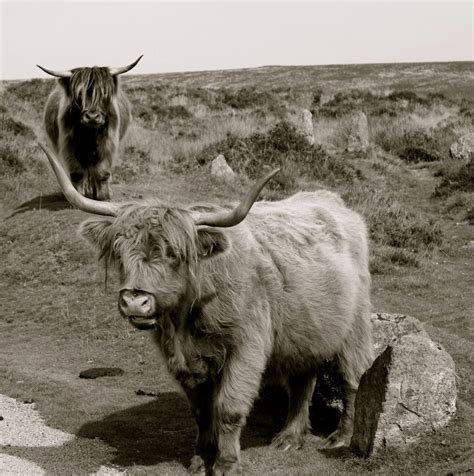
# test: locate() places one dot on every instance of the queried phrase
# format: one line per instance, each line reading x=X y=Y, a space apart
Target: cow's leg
x=300 y=392
x=102 y=179
x=201 y=398
x=355 y=358
x=238 y=389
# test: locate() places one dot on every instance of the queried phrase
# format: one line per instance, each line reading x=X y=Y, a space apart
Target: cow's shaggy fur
x=88 y=150
x=267 y=300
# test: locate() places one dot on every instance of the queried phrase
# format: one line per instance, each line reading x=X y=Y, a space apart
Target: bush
x=409 y=96
x=455 y=178
x=414 y=145
x=282 y=146
x=374 y=104
x=17 y=128
x=11 y=161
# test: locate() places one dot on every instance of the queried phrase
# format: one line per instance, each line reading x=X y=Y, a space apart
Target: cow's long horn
x=57 y=74
x=73 y=196
x=235 y=216
x=124 y=69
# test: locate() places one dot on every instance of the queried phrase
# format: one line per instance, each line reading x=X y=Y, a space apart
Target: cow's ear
x=211 y=242
x=96 y=231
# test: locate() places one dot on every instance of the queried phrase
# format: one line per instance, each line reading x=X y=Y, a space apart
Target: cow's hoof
x=337 y=439
x=286 y=440
x=197 y=466
x=224 y=468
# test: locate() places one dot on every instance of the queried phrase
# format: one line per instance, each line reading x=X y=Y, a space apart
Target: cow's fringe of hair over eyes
x=89 y=86
x=142 y=233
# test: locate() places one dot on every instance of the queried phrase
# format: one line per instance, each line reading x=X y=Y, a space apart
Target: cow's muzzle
x=138 y=307
x=92 y=118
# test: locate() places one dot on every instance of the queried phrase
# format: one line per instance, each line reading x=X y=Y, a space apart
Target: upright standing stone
x=221 y=169
x=305 y=126
x=358 y=140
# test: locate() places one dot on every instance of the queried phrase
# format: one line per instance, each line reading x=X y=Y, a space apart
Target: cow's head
x=90 y=91
x=156 y=248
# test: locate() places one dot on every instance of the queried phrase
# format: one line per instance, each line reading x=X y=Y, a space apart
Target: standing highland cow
x=85 y=117
x=236 y=297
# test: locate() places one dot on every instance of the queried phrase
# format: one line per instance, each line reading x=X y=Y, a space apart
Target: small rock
x=101 y=372
x=358 y=140
x=221 y=169
x=410 y=390
x=463 y=148
x=27 y=401
x=1 y=418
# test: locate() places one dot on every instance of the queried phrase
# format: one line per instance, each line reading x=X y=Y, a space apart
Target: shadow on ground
x=53 y=202
x=163 y=430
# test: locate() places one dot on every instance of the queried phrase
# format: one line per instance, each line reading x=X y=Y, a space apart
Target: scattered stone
x=358 y=140
x=463 y=148
x=305 y=126
x=145 y=393
x=221 y=169
x=101 y=372
x=409 y=391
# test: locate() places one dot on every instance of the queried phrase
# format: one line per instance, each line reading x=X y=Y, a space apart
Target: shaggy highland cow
x=86 y=116
x=236 y=297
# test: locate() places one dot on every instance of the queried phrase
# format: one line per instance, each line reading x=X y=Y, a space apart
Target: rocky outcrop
x=463 y=148
x=409 y=391
x=221 y=169
x=388 y=328
x=358 y=138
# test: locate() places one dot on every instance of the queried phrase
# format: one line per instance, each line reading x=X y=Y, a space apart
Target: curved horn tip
x=124 y=69
x=56 y=74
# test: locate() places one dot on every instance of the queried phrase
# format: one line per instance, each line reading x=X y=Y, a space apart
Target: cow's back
x=314 y=265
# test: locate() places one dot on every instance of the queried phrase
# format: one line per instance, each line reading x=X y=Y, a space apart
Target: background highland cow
x=85 y=117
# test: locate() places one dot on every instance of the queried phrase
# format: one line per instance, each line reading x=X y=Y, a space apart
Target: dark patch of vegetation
x=455 y=178
x=17 y=128
x=11 y=162
x=160 y=112
x=409 y=96
x=374 y=104
x=417 y=145
x=282 y=146
x=244 y=98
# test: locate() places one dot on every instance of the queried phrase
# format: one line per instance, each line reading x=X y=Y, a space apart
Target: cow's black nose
x=93 y=117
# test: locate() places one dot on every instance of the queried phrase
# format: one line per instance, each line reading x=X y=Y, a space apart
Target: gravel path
x=22 y=426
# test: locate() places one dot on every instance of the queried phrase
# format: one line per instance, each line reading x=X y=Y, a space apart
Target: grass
x=59 y=317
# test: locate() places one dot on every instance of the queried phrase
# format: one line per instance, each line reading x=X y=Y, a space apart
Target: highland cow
x=86 y=116
x=235 y=297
